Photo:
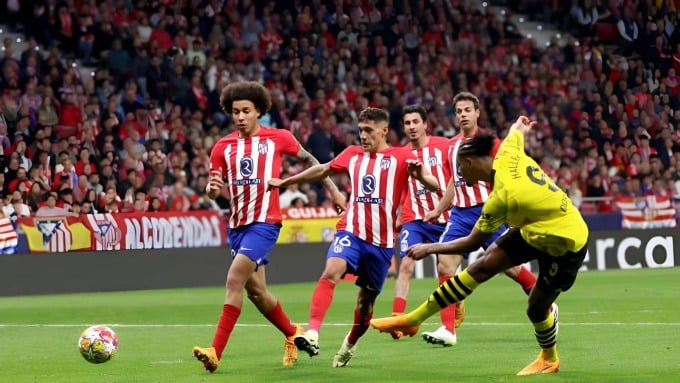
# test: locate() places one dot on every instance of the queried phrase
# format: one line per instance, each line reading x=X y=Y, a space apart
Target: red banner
x=127 y=231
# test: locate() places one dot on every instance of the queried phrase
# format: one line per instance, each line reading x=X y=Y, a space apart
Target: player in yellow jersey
x=546 y=227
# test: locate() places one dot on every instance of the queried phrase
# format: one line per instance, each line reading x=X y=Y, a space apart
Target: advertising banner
x=308 y=225
x=122 y=231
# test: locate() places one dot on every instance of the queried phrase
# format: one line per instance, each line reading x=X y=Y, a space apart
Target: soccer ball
x=98 y=344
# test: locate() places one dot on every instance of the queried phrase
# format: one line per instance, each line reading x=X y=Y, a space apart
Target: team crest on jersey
x=432 y=160
x=262 y=147
x=246 y=166
x=368 y=184
x=385 y=163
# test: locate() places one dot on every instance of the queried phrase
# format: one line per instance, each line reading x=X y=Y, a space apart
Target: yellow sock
x=546 y=336
x=454 y=290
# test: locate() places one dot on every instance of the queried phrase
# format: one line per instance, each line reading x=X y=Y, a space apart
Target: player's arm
x=471 y=242
x=338 y=199
x=419 y=172
x=216 y=176
x=312 y=174
x=306 y=157
x=523 y=124
x=444 y=203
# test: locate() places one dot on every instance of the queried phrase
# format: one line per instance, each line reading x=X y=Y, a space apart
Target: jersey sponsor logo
x=459 y=180
x=246 y=166
x=368 y=184
x=247 y=181
x=369 y=200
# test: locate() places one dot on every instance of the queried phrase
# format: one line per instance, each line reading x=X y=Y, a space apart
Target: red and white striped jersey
x=248 y=163
x=378 y=182
x=467 y=196
x=419 y=201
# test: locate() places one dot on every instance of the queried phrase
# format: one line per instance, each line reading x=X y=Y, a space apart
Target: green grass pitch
x=615 y=326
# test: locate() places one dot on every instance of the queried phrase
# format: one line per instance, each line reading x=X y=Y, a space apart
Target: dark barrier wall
x=154 y=269
x=146 y=269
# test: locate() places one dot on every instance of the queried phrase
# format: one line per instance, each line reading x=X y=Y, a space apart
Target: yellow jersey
x=524 y=197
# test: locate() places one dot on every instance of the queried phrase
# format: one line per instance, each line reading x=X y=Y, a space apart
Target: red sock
x=526 y=279
x=280 y=320
x=448 y=313
x=225 y=326
x=398 y=305
x=360 y=326
x=321 y=301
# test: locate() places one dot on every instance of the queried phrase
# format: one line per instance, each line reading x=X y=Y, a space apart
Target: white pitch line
x=190 y=325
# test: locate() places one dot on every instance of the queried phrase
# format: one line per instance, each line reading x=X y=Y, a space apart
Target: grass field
x=615 y=326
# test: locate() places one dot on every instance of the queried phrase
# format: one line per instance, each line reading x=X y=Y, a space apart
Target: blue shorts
x=255 y=241
x=416 y=232
x=368 y=262
x=461 y=223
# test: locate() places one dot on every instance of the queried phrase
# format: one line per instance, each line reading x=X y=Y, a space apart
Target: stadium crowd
x=135 y=134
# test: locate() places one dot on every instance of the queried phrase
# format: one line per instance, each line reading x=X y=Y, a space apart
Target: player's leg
x=520 y=273
x=239 y=272
x=410 y=235
x=371 y=274
x=401 y=287
x=556 y=275
x=460 y=223
x=363 y=312
x=271 y=308
x=445 y=335
x=248 y=245
x=342 y=256
x=454 y=290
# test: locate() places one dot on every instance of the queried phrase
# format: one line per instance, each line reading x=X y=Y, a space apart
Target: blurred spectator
x=15 y=206
x=287 y=197
x=50 y=208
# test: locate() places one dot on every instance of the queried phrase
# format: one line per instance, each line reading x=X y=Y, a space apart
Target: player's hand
x=419 y=251
x=432 y=216
x=414 y=167
x=274 y=183
x=215 y=183
x=339 y=202
x=523 y=124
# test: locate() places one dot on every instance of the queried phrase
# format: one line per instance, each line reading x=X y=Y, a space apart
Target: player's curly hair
x=246 y=90
x=481 y=145
x=374 y=114
x=466 y=96
x=415 y=108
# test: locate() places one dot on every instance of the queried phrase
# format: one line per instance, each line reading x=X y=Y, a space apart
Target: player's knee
x=257 y=295
x=479 y=271
x=235 y=284
x=365 y=303
x=447 y=264
x=332 y=274
x=406 y=267
x=536 y=313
